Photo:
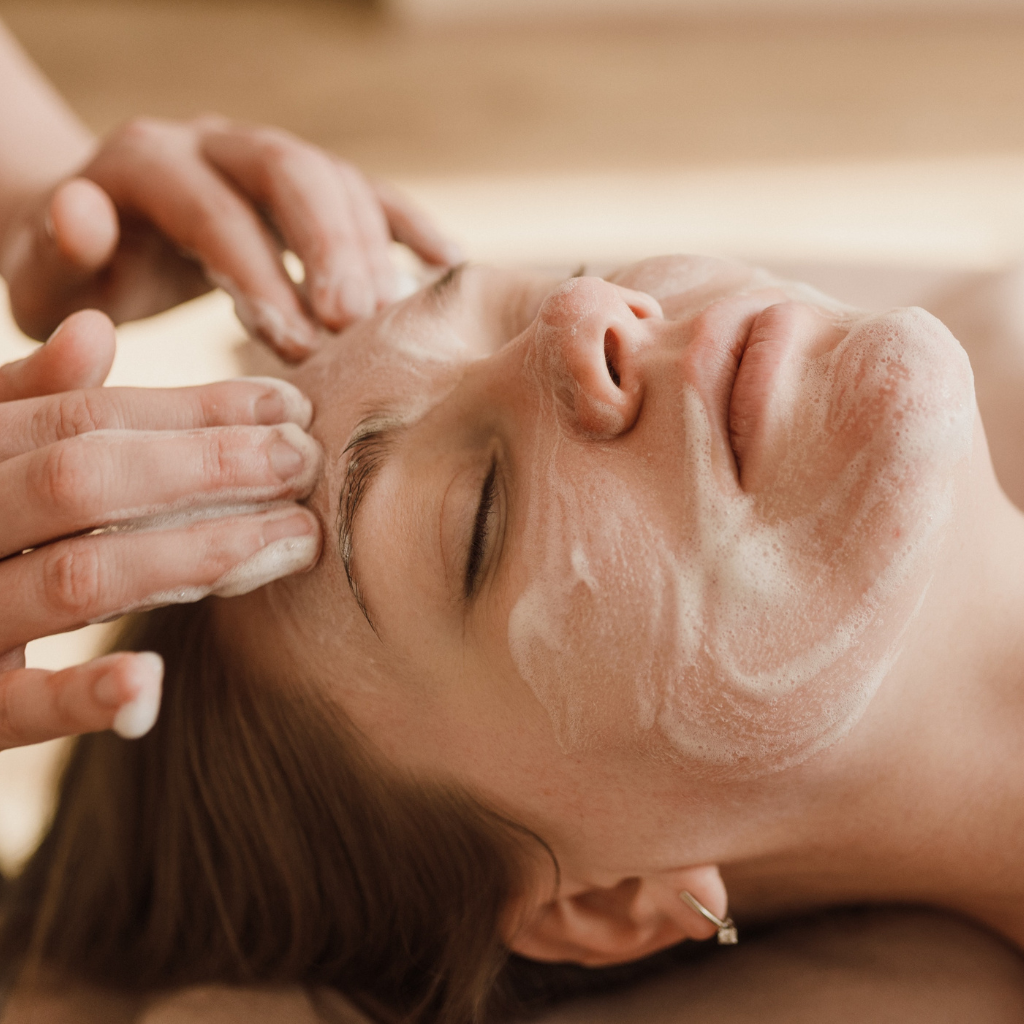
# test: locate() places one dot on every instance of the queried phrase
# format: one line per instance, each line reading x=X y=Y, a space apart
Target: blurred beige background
x=878 y=143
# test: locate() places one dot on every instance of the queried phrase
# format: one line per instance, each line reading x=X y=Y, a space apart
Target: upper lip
x=721 y=334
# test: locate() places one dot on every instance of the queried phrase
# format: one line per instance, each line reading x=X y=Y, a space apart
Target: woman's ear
x=598 y=926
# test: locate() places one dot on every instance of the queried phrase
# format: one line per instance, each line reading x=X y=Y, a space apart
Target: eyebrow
x=368 y=449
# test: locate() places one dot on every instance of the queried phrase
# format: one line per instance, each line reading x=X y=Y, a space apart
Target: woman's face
x=683 y=517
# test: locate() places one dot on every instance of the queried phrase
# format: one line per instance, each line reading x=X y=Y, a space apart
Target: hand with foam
x=162 y=211
x=122 y=498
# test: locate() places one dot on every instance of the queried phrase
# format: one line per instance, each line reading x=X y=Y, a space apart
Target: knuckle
x=139 y=132
x=218 y=458
x=211 y=121
x=69 y=416
x=287 y=159
x=275 y=149
x=73 y=578
x=349 y=173
x=63 y=478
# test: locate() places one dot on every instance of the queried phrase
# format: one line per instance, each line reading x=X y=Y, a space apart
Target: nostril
x=609 y=357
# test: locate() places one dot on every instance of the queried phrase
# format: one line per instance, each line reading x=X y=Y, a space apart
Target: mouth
x=759 y=402
x=738 y=422
x=717 y=364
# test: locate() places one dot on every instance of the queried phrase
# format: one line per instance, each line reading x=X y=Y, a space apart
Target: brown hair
x=253 y=836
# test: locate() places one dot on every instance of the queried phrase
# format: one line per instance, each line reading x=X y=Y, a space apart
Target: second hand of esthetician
x=153 y=215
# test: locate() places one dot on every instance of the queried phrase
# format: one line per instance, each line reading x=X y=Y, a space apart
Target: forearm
x=43 y=139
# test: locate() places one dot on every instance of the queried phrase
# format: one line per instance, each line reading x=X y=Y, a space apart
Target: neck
x=924 y=801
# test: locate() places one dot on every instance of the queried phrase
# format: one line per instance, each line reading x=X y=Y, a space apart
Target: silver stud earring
x=727 y=934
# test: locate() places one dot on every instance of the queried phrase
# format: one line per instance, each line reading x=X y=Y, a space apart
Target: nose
x=589 y=334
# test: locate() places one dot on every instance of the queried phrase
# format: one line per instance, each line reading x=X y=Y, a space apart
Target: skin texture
x=920 y=801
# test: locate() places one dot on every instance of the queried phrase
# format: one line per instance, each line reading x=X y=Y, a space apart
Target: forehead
x=393 y=360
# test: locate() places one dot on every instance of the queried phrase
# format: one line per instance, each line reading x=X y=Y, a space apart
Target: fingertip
x=450 y=253
x=292 y=544
x=291 y=336
x=145 y=673
x=355 y=300
x=283 y=403
x=341 y=297
x=82 y=221
x=80 y=352
x=84 y=324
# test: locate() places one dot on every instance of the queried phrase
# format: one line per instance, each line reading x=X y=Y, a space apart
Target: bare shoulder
x=905 y=966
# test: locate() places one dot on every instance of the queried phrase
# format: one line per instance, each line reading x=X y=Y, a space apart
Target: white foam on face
x=742 y=633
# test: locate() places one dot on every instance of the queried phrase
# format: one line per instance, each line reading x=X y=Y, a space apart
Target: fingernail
x=326 y=299
x=299 y=336
x=290 y=335
x=292 y=544
x=283 y=403
x=297 y=525
x=292 y=452
x=136 y=718
x=356 y=301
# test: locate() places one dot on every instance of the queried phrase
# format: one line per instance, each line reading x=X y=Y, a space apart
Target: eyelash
x=478 y=543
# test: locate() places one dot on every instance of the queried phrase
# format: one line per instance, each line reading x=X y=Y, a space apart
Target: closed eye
x=481 y=530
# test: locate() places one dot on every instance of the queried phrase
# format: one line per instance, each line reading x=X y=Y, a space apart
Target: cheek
x=734 y=636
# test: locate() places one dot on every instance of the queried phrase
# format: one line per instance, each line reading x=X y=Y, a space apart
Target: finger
x=109 y=476
x=78 y=355
x=61 y=248
x=94 y=578
x=373 y=232
x=37 y=422
x=156 y=172
x=306 y=198
x=119 y=692
x=13 y=659
x=83 y=226
x=413 y=228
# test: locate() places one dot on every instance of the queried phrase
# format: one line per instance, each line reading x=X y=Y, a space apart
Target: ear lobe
x=597 y=926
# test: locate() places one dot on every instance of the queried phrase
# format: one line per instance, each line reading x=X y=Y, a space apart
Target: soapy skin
x=753 y=626
x=682 y=569
x=717 y=501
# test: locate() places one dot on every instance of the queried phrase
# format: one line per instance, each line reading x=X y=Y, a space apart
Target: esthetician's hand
x=164 y=210
x=75 y=457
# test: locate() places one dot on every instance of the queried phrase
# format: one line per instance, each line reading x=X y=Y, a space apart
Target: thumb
x=83 y=226
x=79 y=355
x=58 y=250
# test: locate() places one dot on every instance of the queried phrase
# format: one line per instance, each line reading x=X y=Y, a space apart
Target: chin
x=818 y=579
